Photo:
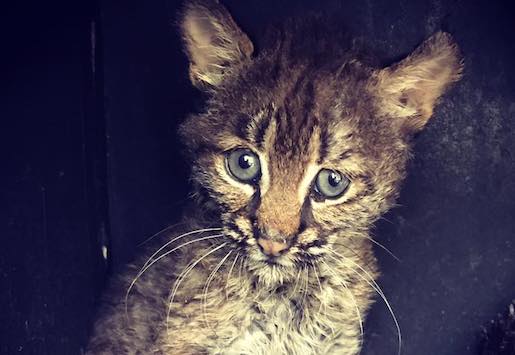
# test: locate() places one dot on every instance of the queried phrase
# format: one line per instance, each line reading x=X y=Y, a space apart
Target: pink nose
x=272 y=248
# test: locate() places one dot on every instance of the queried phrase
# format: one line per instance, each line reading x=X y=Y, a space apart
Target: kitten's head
x=302 y=146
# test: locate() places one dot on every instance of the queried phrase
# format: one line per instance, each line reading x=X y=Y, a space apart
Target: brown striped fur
x=303 y=103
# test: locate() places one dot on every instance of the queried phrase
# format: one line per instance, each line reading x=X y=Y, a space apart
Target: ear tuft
x=214 y=43
x=409 y=90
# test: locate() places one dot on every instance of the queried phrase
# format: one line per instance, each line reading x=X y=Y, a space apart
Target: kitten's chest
x=244 y=319
x=281 y=326
x=273 y=326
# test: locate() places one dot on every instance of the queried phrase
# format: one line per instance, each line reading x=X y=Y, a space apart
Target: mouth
x=271 y=262
x=280 y=263
x=276 y=271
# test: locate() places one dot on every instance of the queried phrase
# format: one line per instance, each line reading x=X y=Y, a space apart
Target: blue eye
x=243 y=165
x=331 y=183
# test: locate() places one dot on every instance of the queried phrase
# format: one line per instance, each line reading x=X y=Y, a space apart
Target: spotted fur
x=305 y=102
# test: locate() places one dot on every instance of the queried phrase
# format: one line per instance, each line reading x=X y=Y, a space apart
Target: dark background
x=91 y=94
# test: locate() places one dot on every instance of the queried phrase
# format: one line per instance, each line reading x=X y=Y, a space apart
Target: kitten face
x=302 y=146
x=299 y=136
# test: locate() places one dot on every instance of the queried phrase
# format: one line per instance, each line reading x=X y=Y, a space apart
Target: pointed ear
x=408 y=91
x=214 y=43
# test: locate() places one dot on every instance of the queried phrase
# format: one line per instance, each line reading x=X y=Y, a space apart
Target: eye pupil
x=245 y=161
x=334 y=179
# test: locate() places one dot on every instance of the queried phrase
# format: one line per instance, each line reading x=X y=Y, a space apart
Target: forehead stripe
x=345 y=154
x=261 y=129
x=242 y=126
x=323 y=145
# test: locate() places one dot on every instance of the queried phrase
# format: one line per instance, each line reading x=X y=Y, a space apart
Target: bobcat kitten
x=299 y=150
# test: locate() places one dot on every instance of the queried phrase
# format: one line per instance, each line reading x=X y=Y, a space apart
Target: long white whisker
x=379 y=291
x=160 y=232
x=183 y=273
x=229 y=275
x=145 y=268
x=296 y=283
x=180 y=237
x=346 y=247
x=344 y=284
x=208 y=282
x=178 y=281
x=322 y=303
x=378 y=244
x=179 y=278
x=240 y=271
x=371 y=278
x=321 y=291
x=305 y=310
x=263 y=301
x=305 y=287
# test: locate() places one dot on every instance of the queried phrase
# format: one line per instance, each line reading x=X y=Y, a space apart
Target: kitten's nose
x=272 y=248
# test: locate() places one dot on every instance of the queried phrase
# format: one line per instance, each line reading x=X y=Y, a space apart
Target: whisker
x=146 y=267
x=206 y=287
x=240 y=268
x=322 y=303
x=379 y=245
x=386 y=219
x=305 y=310
x=179 y=237
x=262 y=301
x=160 y=232
x=346 y=247
x=344 y=284
x=229 y=275
x=306 y=286
x=296 y=282
x=182 y=275
x=178 y=281
x=379 y=291
x=321 y=291
x=240 y=271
